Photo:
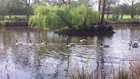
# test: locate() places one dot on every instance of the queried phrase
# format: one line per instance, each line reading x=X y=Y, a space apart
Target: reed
x=133 y=72
x=80 y=72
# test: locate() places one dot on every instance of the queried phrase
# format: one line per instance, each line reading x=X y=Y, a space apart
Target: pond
x=52 y=61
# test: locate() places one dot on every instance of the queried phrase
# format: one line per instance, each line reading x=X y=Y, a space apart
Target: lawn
x=126 y=18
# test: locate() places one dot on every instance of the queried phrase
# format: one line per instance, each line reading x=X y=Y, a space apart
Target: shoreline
x=123 y=24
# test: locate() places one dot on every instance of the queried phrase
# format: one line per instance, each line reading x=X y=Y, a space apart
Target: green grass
x=12 y=16
x=126 y=18
x=9 y=17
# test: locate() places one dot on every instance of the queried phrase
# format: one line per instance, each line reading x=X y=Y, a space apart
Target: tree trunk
x=132 y=11
x=3 y=11
x=103 y=12
x=64 y=2
x=122 y=15
x=122 y=12
x=69 y=3
x=99 y=7
x=108 y=12
x=28 y=10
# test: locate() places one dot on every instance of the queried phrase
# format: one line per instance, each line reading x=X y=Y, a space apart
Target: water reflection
x=51 y=61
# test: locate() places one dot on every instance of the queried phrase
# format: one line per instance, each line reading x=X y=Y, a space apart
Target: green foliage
x=80 y=72
x=13 y=7
x=64 y=15
x=87 y=61
x=19 y=9
x=36 y=21
x=84 y=16
x=55 y=17
x=45 y=17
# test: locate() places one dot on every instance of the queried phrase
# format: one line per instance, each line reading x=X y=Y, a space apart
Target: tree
x=109 y=3
x=99 y=6
x=122 y=8
x=54 y=17
x=103 y=12
x=2 y=9
x=83 y=16
x=4 y=5
x=137 y=9
x=16 y=7
x=132 y=2
x=27 y=3
x=36 y=1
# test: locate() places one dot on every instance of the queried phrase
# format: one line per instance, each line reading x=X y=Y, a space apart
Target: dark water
x=51 y=61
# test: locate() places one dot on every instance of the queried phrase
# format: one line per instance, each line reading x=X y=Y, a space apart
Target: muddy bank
x=105 y=30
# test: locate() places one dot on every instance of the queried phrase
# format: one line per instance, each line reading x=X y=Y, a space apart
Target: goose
x=70 y=45
x=43 y=43
x=136 y=40
x=133 y=45
x=83 y=40
x=66 y=38
x=104 y=46
x=31 y=44
x=18 y=43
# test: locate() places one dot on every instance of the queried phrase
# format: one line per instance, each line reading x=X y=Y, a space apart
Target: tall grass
x=133 y=72
x=80 y=72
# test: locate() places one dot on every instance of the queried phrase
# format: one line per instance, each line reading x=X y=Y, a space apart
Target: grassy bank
x=125 y=19
x=14 y=21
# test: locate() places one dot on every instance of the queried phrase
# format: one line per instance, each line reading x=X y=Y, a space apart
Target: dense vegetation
x=55 y=17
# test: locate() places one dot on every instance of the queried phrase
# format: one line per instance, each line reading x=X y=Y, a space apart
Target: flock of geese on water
x=30 y=43
x=132 y=44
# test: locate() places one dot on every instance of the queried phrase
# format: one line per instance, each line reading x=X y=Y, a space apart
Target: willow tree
x=44 y=17
x=55 y=17
x=65 y=15
x=84 y=16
